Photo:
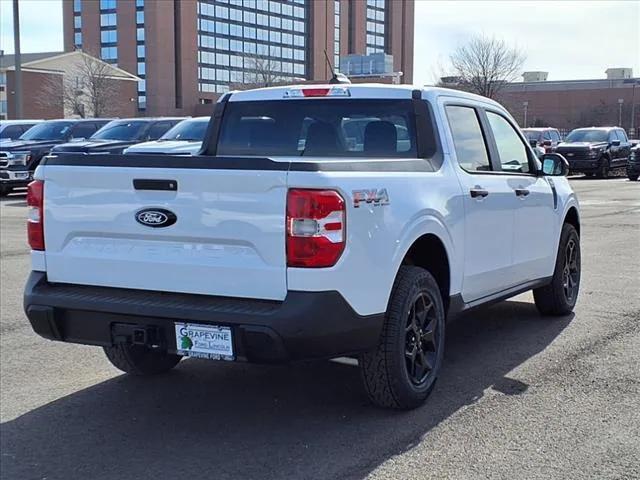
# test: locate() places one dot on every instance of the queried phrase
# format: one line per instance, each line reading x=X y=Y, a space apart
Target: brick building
x=188 y=52
x=43 y=81
x=569 y=104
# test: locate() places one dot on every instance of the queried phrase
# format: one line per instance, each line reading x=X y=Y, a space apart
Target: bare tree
x=87 y=89
x=485 y=64
x=261 y=71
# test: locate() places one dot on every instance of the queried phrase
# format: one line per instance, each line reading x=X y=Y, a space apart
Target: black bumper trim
x=305 y=325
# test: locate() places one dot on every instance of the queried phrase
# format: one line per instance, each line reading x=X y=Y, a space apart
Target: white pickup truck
x=318 y=221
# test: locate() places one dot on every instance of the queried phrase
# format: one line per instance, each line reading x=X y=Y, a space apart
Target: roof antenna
x=335 y=77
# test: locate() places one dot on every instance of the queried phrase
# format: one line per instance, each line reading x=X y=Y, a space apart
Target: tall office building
x=188 y=52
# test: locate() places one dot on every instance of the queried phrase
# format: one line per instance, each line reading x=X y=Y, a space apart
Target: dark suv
x=19 y=158
x=596 y=150
x=545 y=137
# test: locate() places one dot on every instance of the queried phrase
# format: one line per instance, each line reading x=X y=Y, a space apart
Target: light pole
x=525 y=105
x=620 y=102
x=17 y=89
x=633 y=105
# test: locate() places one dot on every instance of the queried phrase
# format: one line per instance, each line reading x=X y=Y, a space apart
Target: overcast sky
x=569 y=39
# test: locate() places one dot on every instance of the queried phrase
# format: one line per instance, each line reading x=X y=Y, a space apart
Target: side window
x=468 y=139
x=12 y=131
x=83 y=130
x=555 y=135
x=513 y=153
x=622 y=136
x=158 y=129
x=546 y=135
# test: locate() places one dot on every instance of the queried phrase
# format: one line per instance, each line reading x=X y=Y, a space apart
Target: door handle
x=153 y=184
x=522 y=192
x=478 y=193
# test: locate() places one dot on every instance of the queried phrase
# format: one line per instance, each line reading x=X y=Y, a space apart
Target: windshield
x=129 y=130
x=47 y=131
x=587 y=136
x=188 y=130
x=531 y=134
x=321 y=128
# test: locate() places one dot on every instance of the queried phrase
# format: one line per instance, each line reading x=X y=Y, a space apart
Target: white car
x=291 y=237
x=185 y=138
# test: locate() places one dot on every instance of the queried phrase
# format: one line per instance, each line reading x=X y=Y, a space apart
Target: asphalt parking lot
x=520 y=396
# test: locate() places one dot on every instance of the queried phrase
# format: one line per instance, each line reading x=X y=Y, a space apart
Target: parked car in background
x=120 y=134
x=19 y=158
x=13 y=129
x=633 y=165
x=183 y=139
x=596 y=150
x=545 y=137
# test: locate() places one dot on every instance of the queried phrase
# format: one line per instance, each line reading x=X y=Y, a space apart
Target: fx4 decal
x=375 y=196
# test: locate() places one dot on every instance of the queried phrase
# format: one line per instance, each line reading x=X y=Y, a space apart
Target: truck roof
x=359 y=90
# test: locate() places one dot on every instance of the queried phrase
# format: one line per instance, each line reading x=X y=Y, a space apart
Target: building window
x=77 y=21
x=141 y=56
x=108 y=20
x=77 y=6
x=107 y=4
x=77 y=39
x=376 y=30
x=109 y=54
x=109 y=36
x=264 y=32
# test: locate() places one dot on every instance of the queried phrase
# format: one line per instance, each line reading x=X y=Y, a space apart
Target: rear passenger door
x=535 y=218
x=489 y=207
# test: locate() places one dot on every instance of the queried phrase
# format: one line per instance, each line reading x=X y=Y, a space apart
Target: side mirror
x=615 y=143
x=554 y=165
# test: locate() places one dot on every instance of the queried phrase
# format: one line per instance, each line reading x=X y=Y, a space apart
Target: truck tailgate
x=228 y=238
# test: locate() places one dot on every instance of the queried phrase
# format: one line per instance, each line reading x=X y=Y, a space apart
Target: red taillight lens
x=35 y=220
x=315 y=92
x=316 y=230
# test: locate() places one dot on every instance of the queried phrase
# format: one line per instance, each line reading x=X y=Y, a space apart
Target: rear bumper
x=305 y=325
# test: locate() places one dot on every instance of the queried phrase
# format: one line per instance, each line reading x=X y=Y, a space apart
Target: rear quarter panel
x=378 y=237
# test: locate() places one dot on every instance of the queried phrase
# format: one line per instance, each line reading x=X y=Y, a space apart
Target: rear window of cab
x=319 y=128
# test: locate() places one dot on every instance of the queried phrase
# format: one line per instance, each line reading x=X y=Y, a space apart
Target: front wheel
x=401 y=372
x=140 y=360
x=633 y=178
x=603 y=169
x=560 y=295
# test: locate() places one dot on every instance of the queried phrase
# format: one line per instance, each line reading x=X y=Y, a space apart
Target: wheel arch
x=572 y=217
x=429 y=252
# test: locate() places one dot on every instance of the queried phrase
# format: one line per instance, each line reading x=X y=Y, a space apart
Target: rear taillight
x=316 y=230
x=35 y=219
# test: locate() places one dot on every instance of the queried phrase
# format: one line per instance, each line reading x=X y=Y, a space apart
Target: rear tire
x=633 y=178
x=402 y=371
x=603 y=168
x=140 y=360
x=588 y=174
x=560 y=295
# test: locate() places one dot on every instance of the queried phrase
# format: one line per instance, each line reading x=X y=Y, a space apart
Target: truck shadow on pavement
x=303 y=421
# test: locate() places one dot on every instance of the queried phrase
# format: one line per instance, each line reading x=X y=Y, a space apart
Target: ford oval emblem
x=156 y=217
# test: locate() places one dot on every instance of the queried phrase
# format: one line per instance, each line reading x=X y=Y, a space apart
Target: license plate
x=204 y=341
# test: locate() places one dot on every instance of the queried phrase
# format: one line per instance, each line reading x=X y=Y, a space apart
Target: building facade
x=189 y=52
x=53 y=81
x=569 y=104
